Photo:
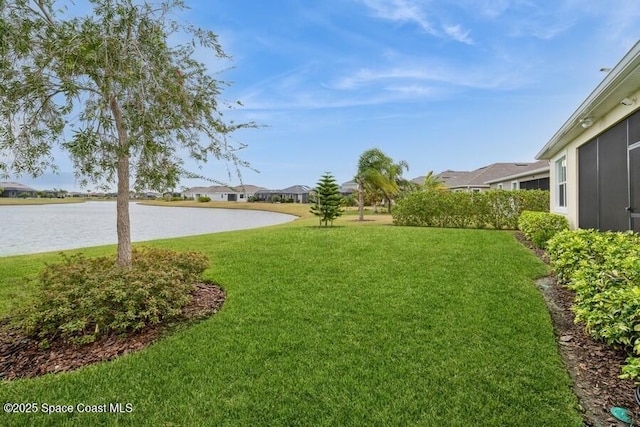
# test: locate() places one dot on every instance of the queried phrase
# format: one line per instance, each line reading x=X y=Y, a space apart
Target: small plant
x=326 y=200
x=81 y=299
x=204 y=199
x=539 y=227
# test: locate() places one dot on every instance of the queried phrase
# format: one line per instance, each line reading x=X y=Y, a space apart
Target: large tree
x=377 y=173
x=110 y=89
x=395 y=181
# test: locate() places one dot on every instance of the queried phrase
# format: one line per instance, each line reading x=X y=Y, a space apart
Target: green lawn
x=9 y=201
x=352 y=325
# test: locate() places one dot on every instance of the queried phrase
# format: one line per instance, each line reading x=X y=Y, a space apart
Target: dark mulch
x=21 y=357
x=593 y=366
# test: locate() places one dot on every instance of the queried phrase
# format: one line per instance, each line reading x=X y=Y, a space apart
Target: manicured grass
x=351 y=325
x=9 y=201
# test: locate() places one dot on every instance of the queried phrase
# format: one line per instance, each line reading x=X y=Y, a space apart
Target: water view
x=41 y=228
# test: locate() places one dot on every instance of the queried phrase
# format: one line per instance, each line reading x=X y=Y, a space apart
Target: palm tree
x=369 y=175
x=432 y=182
x=395 y=180
x=377 y=173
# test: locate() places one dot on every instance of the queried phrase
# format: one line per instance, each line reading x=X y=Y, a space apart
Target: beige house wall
x=571 y=151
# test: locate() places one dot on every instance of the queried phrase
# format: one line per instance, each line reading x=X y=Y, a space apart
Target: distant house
x=507 y=176
x=595 y=155
x=349 y=187
x=223 y=193
x=15 y=189
x=535 y=176
x=296 y=193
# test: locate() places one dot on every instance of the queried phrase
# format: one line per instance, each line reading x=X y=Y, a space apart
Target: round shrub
x=81 y=299
x=204 y=199
x=539 y=227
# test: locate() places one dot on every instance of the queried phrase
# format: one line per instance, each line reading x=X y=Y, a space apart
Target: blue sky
x=441 y=84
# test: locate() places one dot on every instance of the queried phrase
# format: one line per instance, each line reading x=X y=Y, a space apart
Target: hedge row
x=496 y=208
x=539 y=227
x=604 y=271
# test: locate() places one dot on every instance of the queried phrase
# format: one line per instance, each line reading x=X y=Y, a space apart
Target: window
x=561 y=182
x=499 y=186
x=242 y=196
x=515 y=185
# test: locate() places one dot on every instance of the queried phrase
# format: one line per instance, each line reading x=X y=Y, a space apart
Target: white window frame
x=515 y=185
x=561 y=197
x=500 y=186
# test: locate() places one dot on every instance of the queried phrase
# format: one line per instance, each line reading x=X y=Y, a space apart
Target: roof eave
x=520 y=175
x=614 y=80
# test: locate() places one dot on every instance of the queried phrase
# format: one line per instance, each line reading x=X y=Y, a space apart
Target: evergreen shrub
x=498 y=209
x=603 y=268
x=539 y=227
x=81 y=299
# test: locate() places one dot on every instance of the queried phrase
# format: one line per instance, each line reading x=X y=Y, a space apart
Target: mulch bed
x=593 y=366
x=21 y=357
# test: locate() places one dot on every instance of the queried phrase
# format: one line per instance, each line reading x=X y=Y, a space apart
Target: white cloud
x=498 y=76
x=412 y=11
x=400 y=11
x=457 y=33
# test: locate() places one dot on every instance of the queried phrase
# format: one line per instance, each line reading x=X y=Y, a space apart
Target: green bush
x=496 y=208
x=204 y=199
x=539 y=227
x=604 y=271
x=81 y=299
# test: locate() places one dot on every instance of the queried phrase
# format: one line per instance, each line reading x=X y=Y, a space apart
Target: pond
x=40 y=228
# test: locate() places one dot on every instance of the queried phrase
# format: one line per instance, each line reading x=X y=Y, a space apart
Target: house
x=349 y=187
x=15 y=189
x=507 y=176
x=595 y=155
x=295 y=193
x=535 y=176
x=223 y=193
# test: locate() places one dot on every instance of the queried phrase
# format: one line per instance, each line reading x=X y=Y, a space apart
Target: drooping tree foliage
x=377 y=173
x=326 y=200
x=111 y=90
x=431 y=182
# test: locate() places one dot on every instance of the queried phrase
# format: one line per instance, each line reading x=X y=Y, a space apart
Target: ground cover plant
x=357 y=324
x=603 y=269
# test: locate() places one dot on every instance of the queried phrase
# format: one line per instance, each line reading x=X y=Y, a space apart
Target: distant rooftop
x=481 y=177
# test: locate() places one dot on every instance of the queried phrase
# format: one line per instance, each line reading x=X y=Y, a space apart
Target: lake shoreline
x=29 y=229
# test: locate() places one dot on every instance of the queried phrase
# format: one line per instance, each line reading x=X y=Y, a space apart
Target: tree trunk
x=123 y=224
x=360 y=201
